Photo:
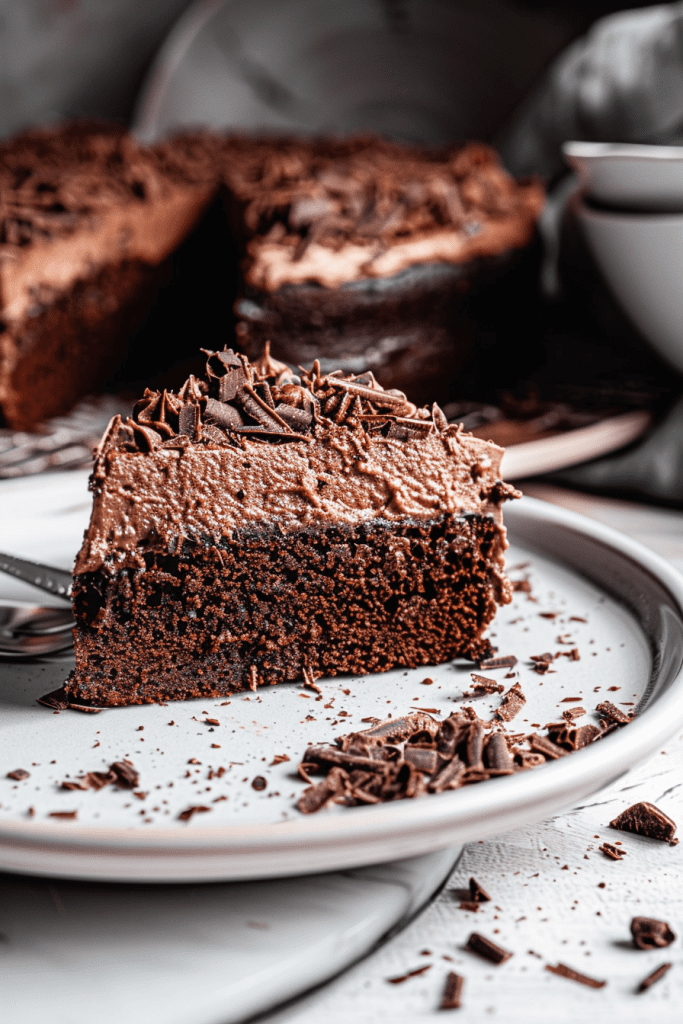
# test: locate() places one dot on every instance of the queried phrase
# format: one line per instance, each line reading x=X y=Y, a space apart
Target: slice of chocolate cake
x=257 y=526
x=367 y=254
x=87 y=220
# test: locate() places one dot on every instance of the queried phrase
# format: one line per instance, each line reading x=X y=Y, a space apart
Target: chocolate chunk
x=258 y=783
x=18 y=774
x=508 y=661
x=612 y=852
x=511 y=704
x=189 y=812
x=126 y=775
x=645 y=820
x=483 y=947
x=452 y=994
x=572 y=975
x=651 y=934
x=613 y=714
x=478 y=894
x=652 y=978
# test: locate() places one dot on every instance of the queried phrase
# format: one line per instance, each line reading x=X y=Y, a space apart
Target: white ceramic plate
x=550 y=454
x=633 y=640
x=634 y=177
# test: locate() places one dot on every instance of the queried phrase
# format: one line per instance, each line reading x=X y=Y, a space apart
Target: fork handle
x=52 y=581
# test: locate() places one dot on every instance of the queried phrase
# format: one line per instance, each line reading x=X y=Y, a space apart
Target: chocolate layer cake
x=87 y=220
x=367 y=254
x=257 y=526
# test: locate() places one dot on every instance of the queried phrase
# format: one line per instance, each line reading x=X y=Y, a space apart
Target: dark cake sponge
x=239 y=540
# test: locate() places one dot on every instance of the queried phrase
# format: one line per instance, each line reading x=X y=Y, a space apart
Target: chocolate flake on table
x=481 y=686
x=120 y=773
x=258 y=783
x=279 y=759
x=478 y=894
x=409 y=974
x=452 y=994
x=649 y=933
x=572 y=975
x=507 y=661
x=58 y=701
x=470 y=905
x=483 y=947
x=511 y=704
x=646 y=820
x=19 y=774
x=612 y=852
x=652 y=978
x=64 y=815
x=189 y=812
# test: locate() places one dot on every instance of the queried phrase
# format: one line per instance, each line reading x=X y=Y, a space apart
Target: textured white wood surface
x=547 y=895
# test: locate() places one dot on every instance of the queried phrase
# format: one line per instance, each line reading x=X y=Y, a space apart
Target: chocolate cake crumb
x=508 y=661
x=612 y=852
x=477 y=893
x=452 y=995
x=572 y=975
x=649 y=933
x=410 y=974
x=483 y=947
x=645 y=820
x=189 y=812
x=259 y=783
x=652 y=978
x=511 y=704
x=18 y=774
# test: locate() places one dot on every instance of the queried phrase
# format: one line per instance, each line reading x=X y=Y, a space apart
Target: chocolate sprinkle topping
x=645 y=820
x=651 y=934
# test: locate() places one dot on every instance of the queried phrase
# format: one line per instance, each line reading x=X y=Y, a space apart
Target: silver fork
x=28 y=632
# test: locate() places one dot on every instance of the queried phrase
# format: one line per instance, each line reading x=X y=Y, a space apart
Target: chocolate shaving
x=508 y=661
x=481 y=685
x=613 y=714
x=126 y=775
x=612 y=852
x=19 y=774
x=649 y=933
x=573 y=737
x=56 y=700
x=189 y=812
x=652 y=978
x=645 y=820
x=572 y=975
x=511 y=704
x=483 y=947
x=410 y=974
x=452 y=994
x=541 y=745
x=497 y=754
x=64 y=815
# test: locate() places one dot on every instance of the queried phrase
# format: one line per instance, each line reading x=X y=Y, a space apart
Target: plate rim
x=463 y=810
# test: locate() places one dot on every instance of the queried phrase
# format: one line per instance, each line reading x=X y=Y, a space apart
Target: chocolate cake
x=259 y=527
x=87 y=220
x=367 y=254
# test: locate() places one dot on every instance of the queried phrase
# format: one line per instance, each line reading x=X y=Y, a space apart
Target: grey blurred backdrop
x=63 y=58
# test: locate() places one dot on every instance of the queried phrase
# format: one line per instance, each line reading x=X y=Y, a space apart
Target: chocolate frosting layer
x=337 y=211
x=254 y=445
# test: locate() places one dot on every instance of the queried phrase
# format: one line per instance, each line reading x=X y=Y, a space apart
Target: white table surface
x=546 y=895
